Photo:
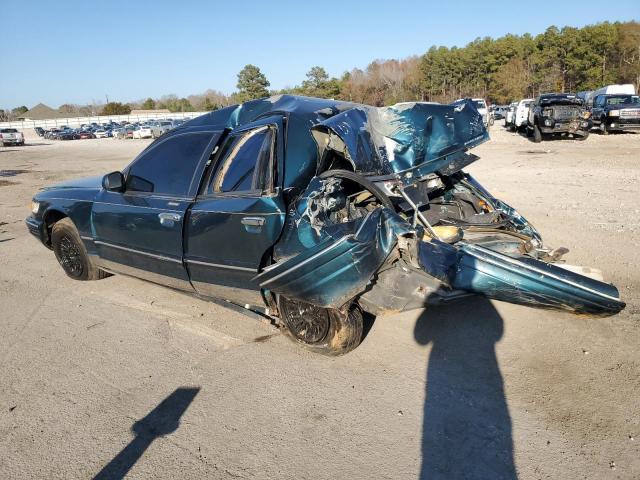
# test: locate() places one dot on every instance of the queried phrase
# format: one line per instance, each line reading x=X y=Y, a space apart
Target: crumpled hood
x=84 y=182
x=383 y=141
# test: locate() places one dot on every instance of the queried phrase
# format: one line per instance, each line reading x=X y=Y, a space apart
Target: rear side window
x=246 y=162
x=168 y=168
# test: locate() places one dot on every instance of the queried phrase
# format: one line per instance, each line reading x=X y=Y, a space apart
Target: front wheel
x=71 y=253
x=581 y=138
x=537 y=134
x=322 y=330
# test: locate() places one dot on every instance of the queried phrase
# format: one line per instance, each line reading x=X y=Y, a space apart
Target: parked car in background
x=142 y=132
x=101 y=133
x=11 y=136
x=616 y=112
x=500 y=111
x=623 y=89
x=39 y=131
x=67 y=134
x=509 y=115
x=160 y=128
x=255 y=205
x=521 y=113
x=86 y=135
x=558 y=114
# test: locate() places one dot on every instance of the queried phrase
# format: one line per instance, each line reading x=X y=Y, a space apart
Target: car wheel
x=326 y=331
x=71 y=253
x=537 y=134
x=582 y=137
x=603 y=127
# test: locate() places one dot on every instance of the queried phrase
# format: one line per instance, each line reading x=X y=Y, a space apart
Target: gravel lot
x=121 y=375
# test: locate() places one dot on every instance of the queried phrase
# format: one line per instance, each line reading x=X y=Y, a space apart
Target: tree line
x=500 y=70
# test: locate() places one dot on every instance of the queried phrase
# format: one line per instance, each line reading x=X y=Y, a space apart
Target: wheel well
x=50 y=218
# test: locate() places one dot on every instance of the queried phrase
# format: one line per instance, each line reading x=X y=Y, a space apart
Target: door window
x=168 y=168
x=246 y=163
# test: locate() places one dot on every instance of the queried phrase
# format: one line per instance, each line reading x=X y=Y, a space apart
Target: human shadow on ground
x=162 y=420
x=466 y=422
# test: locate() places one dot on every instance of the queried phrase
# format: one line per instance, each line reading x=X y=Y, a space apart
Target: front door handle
x=167 y=219
x=253 y=221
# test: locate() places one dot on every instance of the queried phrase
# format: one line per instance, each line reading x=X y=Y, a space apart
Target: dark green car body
x=233 y=205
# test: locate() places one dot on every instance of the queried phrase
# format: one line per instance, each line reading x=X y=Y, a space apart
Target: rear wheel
x=322 y=330
x=71 y=253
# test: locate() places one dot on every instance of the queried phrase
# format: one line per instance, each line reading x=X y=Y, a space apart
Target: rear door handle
x=253 y=221
x=169 y=218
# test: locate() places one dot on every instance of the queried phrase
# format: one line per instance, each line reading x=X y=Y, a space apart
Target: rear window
x=9 y=130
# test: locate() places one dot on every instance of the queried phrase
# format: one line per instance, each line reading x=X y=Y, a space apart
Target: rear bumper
x=12 y=141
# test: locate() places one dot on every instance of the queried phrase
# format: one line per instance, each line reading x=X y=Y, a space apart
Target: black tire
x=537 y=134
x=363 y=182
x=322 y=330
x=71 y=253
x=583 y=137
x=603 y=128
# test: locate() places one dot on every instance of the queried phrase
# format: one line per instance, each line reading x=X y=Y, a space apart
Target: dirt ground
x=115 y=376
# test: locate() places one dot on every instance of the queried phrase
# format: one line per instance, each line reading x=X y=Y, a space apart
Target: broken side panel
x=522 y=280
x=337 y=268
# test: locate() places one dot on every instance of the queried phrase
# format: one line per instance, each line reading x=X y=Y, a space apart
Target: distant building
x=149 y=112
x=41 y=112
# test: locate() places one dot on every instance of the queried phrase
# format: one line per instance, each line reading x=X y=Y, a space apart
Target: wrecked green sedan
x=314 y=211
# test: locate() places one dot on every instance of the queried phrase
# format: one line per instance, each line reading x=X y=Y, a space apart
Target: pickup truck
x=616 y=112
x=11 y=136
x=313 y=211
x=554 y=114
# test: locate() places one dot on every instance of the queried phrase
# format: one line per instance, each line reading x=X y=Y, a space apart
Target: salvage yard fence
x=77 y=121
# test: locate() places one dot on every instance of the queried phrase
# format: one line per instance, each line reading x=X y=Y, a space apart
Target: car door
x=139 y=231
x=238 y=215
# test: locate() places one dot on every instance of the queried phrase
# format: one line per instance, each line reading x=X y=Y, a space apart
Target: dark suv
x=616 y=112
x=558 y=113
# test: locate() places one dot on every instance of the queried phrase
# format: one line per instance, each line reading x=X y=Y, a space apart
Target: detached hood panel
x=390 y=140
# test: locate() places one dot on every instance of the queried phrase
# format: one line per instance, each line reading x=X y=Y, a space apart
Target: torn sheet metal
x=521 y=280
x=338 y=267
x=393 y=140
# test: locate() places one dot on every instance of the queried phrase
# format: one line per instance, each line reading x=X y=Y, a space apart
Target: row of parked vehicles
x=572 y=115
x=148 y=129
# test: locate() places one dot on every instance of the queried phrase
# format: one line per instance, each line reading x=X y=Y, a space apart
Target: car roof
x=303 y=113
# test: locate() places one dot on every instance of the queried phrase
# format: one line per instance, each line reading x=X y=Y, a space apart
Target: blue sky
x=78 y=52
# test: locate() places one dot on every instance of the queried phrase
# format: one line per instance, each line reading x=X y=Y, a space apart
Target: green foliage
x=174 y=104
x=116 y=108
x=19 y=110
x=513 y=67
x=318 y=84
x=208 y=105
x=148 y=104
x=252 y=84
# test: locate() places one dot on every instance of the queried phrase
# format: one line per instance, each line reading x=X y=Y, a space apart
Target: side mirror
x=113 y=182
